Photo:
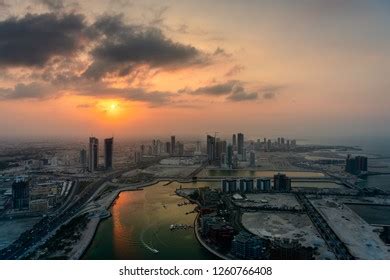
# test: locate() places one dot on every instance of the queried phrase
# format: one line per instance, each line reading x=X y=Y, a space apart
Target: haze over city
x=194 y=130
x=305 y=69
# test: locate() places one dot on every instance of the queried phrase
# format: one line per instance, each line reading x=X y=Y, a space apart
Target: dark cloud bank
x=234 y=90
x=116 y=49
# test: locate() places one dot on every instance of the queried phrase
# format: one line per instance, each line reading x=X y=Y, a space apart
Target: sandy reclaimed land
x=358 y=236
x=277 y=200
x=291 y=226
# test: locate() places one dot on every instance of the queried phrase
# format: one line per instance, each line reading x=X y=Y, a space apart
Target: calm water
x=258 y=173
x=372 y=214
x=140 y=224
x=377 y=181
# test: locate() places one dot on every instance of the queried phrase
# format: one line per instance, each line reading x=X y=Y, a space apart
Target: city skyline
x=247 y=131
x=150 y=69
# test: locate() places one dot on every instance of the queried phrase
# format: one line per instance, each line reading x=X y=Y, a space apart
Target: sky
x=302 y=69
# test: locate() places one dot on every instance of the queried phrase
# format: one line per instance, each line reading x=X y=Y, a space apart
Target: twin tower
x=93 y=153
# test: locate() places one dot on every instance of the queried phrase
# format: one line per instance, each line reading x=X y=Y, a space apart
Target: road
x=332 y=240
x=47 y=226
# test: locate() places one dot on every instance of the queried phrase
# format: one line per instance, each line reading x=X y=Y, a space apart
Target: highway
x=48 y=225
x=332 y=240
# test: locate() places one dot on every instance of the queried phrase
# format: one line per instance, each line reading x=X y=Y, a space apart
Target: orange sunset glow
x=149 y=67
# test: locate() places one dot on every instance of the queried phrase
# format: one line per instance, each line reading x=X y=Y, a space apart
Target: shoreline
x=110 y=200
x=203 y=243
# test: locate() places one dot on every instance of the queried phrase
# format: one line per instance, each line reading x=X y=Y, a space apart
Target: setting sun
x=110 y=107
x=113 y=107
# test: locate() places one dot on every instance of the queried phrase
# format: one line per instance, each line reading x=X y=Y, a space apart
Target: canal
x=139 y=227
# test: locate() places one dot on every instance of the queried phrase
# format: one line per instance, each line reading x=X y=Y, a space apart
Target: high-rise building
x=229 y=185
x=83 y=158
x=252 y=159
x=263 y=184
x=93 y=156
x=229 y=156
x=220 y=147
x=173 y=145
x=160 y=147
x=293 y=143
x=222 y=160
x=240 y=143
x=20 y=194
x=282 y=183
x=234 y=140
x=180 y=148
x=269 y=145
x=211 y=149
x=108 y=151
x=137 y=157
x=356 y=165
x=246 y=185
x=168 y=147
x=198 y=150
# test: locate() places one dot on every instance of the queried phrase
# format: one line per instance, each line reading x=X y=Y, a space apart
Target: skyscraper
x=198 y=149
x=93 y=155
x=220 y=147
x=240 y=143
x=234 y=140
x=20 y=194
x=356 y=165
x=173 y=145
x=211 y=149
x=108 y=150
x=83 y=158
x=282 y=182
x=229 y=156
x=252 y=159
x=180 y=148
x=168 y=147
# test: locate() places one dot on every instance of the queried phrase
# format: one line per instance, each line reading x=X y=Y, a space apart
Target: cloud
x=121 y=48
x=236 y=69
x=4 y=5
x=34 y=39
x=239 y=94
x=86 y=105
x=40 y=91
x=270 y=91
x=27 y=91
x=234 y=90
x=221 y=52
x=153 y=98
x=53 y=5
x=269 y=95
x=216 y=90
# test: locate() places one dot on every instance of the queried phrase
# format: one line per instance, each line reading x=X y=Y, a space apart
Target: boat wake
x=150 y=248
